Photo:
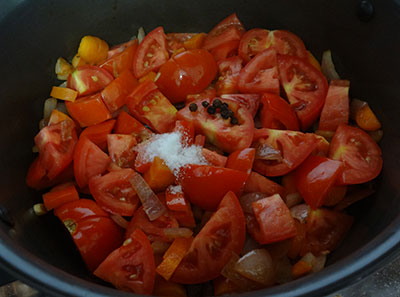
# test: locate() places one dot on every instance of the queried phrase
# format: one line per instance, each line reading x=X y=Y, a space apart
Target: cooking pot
x=33 y=34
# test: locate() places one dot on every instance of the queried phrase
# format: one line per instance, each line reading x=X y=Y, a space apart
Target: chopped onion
x=141 y=34
x=257 y=266
x=160 y=247
x=49 y=105
x=300 y=212
x=319 y=262
x=354 y=196
x=267 y=152
x=327 y=66
x=355 y=106
x=62 y=107
x=283 y=270
x=152 y=206
x=39 y=209
x=43 y=123
x=246 y=201
x=293 y=199
x=63 y=85
x=120 y=221
x=376 y=135
x=178 y=232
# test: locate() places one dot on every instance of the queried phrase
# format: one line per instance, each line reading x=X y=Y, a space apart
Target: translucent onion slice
x=257 y=266
x=152 y=206
x=300 y=212
x=49 y=105
x=141 y=34
x=319 y=262
x=327 y=66
x=160 y=247
x=120 y=221
x=293 y=199
x=246 y=201
x=178 y=232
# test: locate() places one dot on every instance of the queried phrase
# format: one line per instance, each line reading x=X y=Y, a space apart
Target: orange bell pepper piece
x=301 y=268
x=366 y=119
x=173 y=256
x=195 y=42
x=98 y=133
x=77 y=61
x=158 y=176
x=93 y=49
x=57 y=117
x=151 y=76
x=60 y=195
x=66 y=94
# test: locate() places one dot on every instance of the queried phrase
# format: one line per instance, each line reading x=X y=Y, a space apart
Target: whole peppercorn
x=217 y=103
x=211 y=110
x=193 y=107
x=234 y=121
x=205 y=104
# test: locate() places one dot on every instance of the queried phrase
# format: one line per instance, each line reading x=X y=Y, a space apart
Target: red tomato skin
x=157 y=39
x=126 y=124
x=287 y=43
x=98 y=133
x=218 y=131
x=274 y=218
x=214 y=158
x=315 y=177
x=259 y=183
x=227 y=30
x=253 y=42
x=305 y=86
x=121 y=61
x=260 y=75
x=227 y=49
x=336 y=108
x=79 y=210
x=229 y=70
x=276 y=113
x=186 y=73
x=120 y=149
x=133 y=258
x=87 y=80
x=96 y=238
x=212 y=247
x=206 y=185
x=89 y=160
x=250 y=101
x=242 y=160
x=360 y=154
x=109 y=189
x=296 y=147
x=209 y=93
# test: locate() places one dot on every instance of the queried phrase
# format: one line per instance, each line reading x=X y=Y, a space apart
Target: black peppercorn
x=205 y=104
x=193 y=107
x=225 y=114
x=217 y=103
x=225 y=105
x=234 y=121
x=211 y=110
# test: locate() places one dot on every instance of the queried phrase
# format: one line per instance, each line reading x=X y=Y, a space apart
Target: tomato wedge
x=98 y=133
x=287 y=43
x=250 y=101
x=87 y=80
x=260 y=74
x=212 y=248
x=361 y=156
x=253 y=42
x=276 y=113
x=120 y=149
x=279 y=152
x=151 y=53
x=260 y=184
x=218 y=131
x=206 y=185
x=131 y=267
x=126 y=124
x=121 y=61
x=114 y=193
x=229 y=70
x=305 y=87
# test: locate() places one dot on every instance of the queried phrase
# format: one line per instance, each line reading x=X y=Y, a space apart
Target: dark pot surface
x=33 y=34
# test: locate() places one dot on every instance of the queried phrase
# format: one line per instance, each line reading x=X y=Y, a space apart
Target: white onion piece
x=327 y=66
x=246 y=201
x=257 y=266
x=293 y=199
x=231 y=274
x=319 y=263
x=300 y=212
x=178 y=232
x=120 y=221
x=152 y=206
x=141 y=34
x=63 y=85
x=49 y=105
x=62 y=107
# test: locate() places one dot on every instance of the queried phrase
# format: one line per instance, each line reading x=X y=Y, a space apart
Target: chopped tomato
x=186 y=73
x=78 y=210
x=196 y=41
x=158 y=176
x=315 y=177
x=98 y=133
x=179 y=207
x=274 y=218
x=305 y=87
x=253 y=42
x=114 y=193
x=250 y=101
x=130 y=267
x=276 y=113
x=88 y=111
x=89 y=160
x=336 y=108
x=242 y=160
x=127 y=124
x=56 y=144
x=214 y=158
x=175 y=41
x=153 y=229
x=122 y=60
x=258 y=183
x=225 y=50
x=115 y=93
x=229 y=70
x=187 y=131
x=151 y=107
x=209 y=93
x=260 y=74
x=88 y=80
x=121 y=150
x=206 y=185
x=287 y=43
x=325 y=229
x=212 y=247
x=360 y=154
x=151 y=53
x=60 y=195
x=229 y=29
x=219 y=131
x=279 y=152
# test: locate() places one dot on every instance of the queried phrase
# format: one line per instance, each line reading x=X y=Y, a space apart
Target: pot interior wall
x=36 y=33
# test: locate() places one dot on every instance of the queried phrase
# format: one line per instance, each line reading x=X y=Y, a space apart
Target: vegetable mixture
x=226 y=158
